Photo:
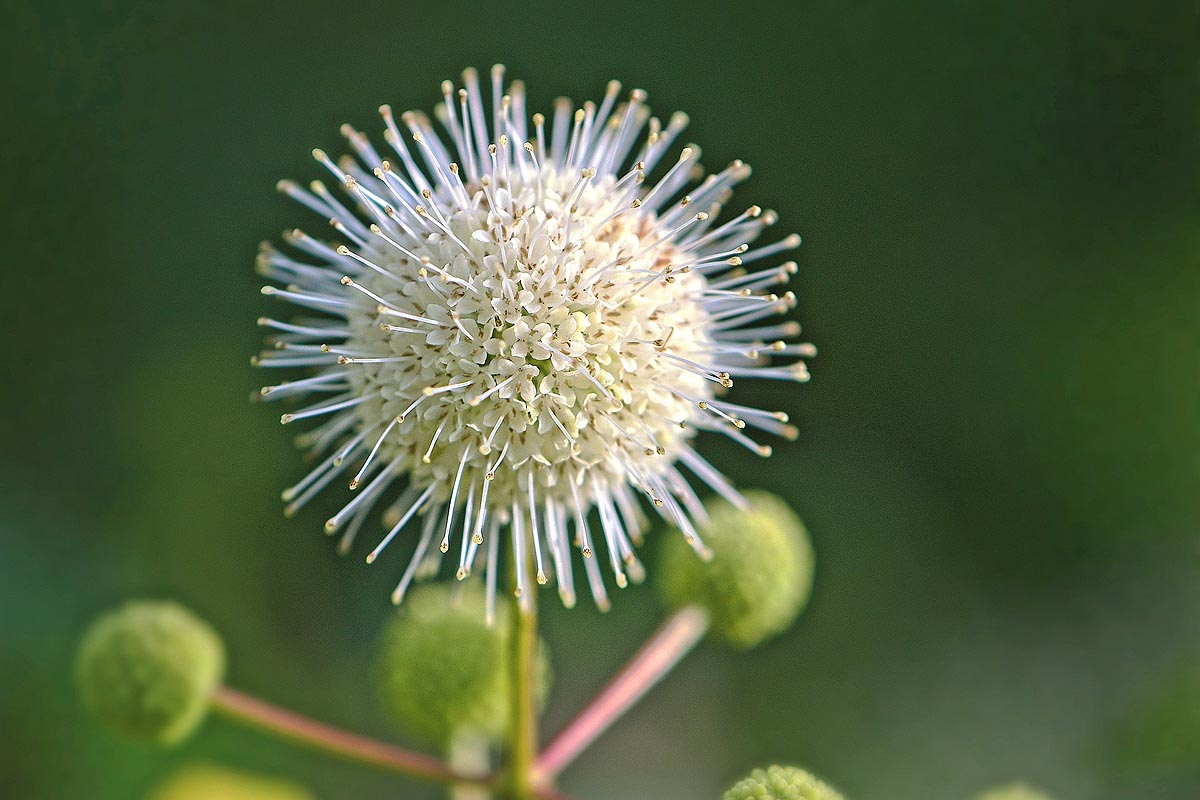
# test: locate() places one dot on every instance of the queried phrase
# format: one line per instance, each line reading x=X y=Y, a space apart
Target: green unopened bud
x=759 y=576
x=781 y=783
x=149 y=669
x=443 y=671
x=1015 y=791
x=204 y=782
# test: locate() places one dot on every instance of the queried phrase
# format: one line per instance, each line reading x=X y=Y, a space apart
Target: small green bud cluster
x=442 y=669
x=781 y=783
x=759 y=577
x=210 y=782
x=148 y=670
x=1015 y=791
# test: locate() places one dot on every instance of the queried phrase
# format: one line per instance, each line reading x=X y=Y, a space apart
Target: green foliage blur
x=1000 y=447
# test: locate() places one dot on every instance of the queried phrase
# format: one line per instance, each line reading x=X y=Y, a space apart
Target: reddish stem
x=658 y=656
x=352 y=746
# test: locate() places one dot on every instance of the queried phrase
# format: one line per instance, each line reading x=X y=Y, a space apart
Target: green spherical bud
x=443 y=671
x=149 y=669
x=781 y=783
x=760 y=574
x=1015 y=791
x=205 y=782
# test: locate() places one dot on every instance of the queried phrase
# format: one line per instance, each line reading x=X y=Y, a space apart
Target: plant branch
x=290 y=725
x=523 y=738
x=468 y=753
x=657 y=657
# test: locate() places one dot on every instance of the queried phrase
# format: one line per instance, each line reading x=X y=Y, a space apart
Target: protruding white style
x=525 y=327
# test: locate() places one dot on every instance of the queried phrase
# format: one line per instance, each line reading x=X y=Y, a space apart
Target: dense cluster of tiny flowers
x=526 y=333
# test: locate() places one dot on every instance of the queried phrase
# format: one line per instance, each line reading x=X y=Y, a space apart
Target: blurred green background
x=1000 y=455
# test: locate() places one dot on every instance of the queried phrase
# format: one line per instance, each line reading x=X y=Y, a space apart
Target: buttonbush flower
x=518 y=329
x=781 y=783
x=1014 y=791
x=212 y=782
x=148 y=670
x=760 y=576
x=443 y=672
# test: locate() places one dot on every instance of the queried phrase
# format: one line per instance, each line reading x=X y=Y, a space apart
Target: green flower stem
x=523 y=737
x=682 y=631
x=468 y=753
x=290 y=725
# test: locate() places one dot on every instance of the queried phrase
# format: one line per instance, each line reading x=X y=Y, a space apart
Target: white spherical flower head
x=527 y=333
